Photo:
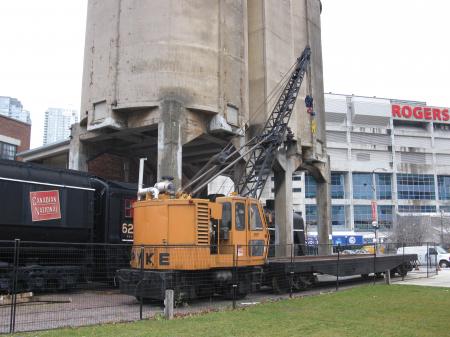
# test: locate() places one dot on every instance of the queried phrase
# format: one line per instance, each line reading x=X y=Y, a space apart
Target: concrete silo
x=163 y=74
x=173 y=80
x=278 y=30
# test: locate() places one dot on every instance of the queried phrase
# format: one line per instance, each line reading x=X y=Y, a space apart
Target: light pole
x=376 y=227
x=375 y=222
x=442 y=227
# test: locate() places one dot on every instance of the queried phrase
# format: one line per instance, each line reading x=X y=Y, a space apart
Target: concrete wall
x=141 y=53
x=172 y=65
x=279 y=30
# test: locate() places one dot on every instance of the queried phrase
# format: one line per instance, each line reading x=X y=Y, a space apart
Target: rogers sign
x=45 y=205
x=420 y=113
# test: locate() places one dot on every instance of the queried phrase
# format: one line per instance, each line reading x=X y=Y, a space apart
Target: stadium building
x=389 y=158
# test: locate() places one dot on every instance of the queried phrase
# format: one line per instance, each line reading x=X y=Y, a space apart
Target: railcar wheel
x=228 y=292
x=280 y=284
x=402 y=271
x=300 y=282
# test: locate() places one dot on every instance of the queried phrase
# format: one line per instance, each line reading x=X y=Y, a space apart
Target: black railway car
x=52 y=206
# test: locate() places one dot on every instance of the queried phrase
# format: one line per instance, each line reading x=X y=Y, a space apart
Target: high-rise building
x=13 y=108
x=57 y=124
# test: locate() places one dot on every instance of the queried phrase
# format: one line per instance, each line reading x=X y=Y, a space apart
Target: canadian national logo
x=45 y=205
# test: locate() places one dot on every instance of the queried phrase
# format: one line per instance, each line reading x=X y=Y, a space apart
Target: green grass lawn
x=364 y=311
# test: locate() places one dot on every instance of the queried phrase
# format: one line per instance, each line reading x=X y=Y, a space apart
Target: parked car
x=434 y=255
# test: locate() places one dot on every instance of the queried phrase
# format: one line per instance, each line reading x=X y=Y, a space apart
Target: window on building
x=310 y=186
x=7 y=151
x=296 y=189
x=362 y=186
x=338 y=215
x=441 y=127
x=444 y=187
x=337 y=185
x=415 y=186
x=363 y=217
x=385 y=216
x=445 y=209
x=296 y=177
x=311 y=215
x=416 y=209
x=384 y=186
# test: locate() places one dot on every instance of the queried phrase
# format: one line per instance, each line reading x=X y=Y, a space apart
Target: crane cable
x=276 y=91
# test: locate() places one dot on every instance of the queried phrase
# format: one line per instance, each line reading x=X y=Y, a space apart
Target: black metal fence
x=51 y=285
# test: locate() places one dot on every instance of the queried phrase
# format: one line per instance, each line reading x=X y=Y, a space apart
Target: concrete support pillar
x=324 y=211
x=78 y=151
x=169 y=142
x=283 y=169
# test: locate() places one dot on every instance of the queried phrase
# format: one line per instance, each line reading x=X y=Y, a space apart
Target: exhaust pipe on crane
x=141 y=190
x=165 y=186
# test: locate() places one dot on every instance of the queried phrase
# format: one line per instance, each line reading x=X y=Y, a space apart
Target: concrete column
x=323 y=197
x=283 y=169
x=78 y=151
x=169 y=142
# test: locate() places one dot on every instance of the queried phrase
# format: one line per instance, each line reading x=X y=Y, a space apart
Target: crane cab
x=198 y=234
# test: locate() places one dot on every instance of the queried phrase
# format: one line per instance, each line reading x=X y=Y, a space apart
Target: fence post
x=141 y=298
x=234 y=285
x=291 y=273
x=337 y=266
x=168 y=304
x=374 y=262
x=12 y=318
x=403 y=261
x=435 y=260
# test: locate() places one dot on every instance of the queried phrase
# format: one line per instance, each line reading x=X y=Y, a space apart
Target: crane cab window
x=240 y=216
x=254 y=218
x=226 y=216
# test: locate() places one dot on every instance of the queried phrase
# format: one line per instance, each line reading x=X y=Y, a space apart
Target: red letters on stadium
x=418 y=112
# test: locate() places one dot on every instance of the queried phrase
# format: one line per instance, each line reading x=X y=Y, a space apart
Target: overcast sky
x=41 y=55
x=383 y=48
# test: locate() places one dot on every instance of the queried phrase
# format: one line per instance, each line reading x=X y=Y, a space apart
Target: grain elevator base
x=115 y=153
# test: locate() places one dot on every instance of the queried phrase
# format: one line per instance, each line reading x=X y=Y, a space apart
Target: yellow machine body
x=198 y=234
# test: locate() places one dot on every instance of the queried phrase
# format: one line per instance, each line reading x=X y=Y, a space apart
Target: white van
x=434 y=254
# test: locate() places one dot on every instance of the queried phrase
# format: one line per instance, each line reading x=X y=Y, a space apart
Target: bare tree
x=411 y=229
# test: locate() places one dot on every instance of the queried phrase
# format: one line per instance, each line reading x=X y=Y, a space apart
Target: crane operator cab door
x=240 y=228
x=257 y=232
x=243 y=230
